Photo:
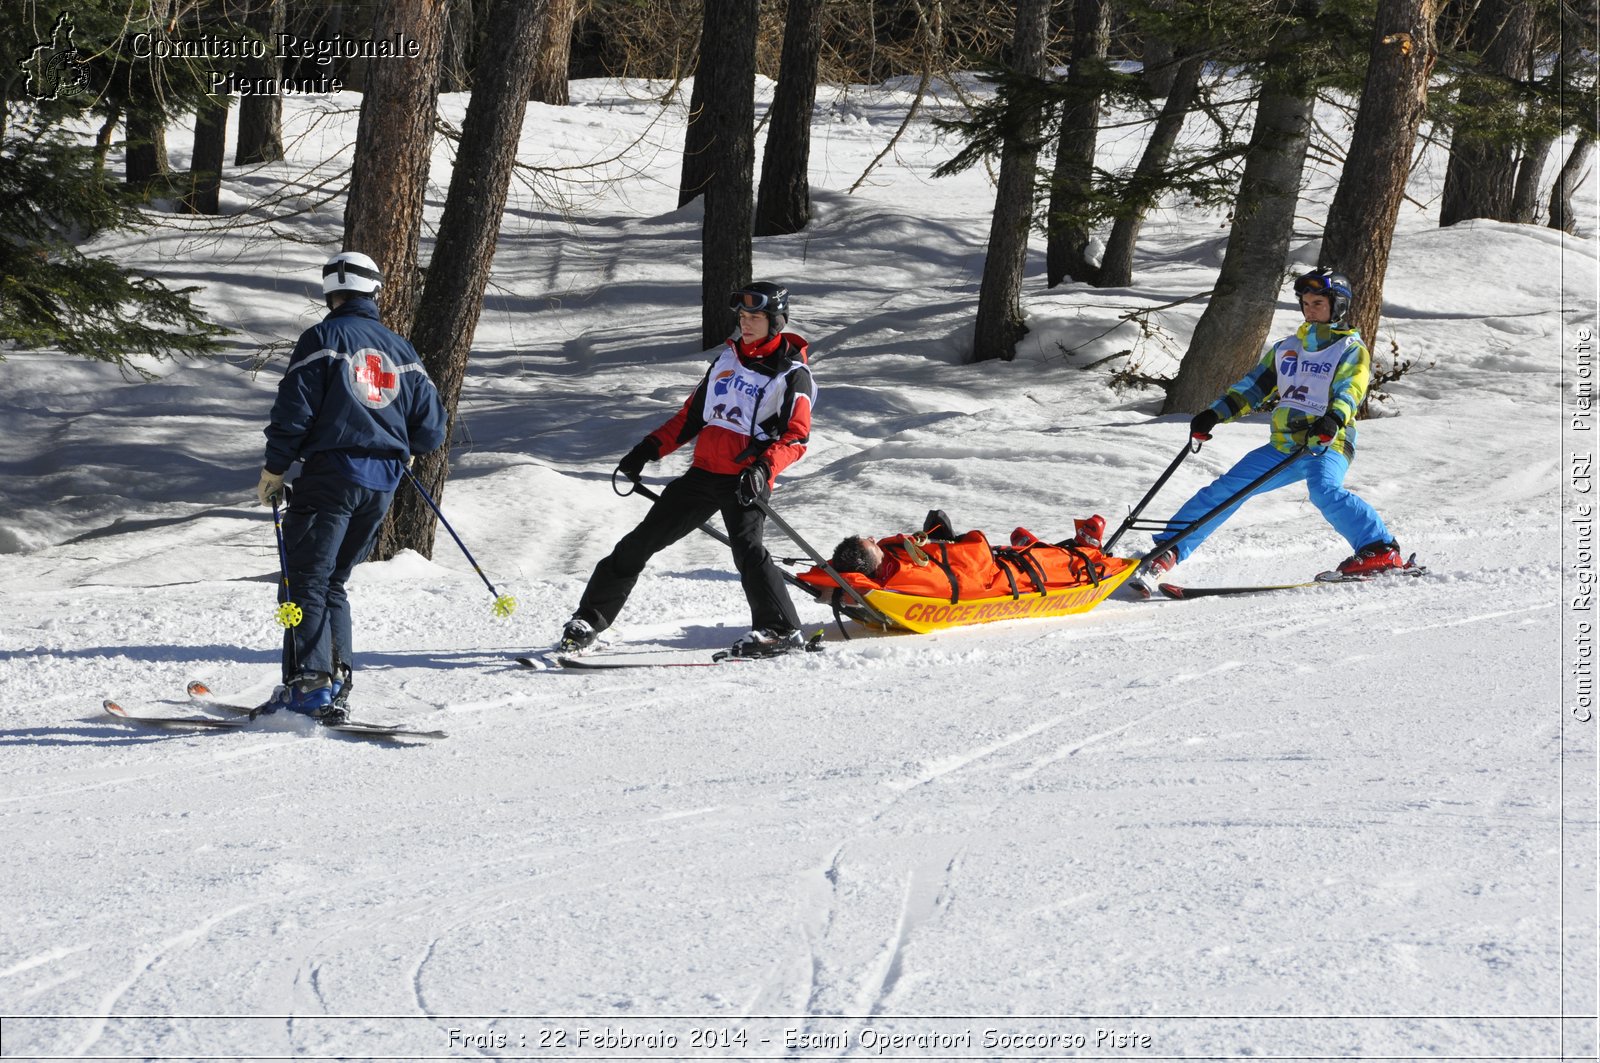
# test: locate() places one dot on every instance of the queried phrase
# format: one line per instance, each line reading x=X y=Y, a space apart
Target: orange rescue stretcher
x=927 y=583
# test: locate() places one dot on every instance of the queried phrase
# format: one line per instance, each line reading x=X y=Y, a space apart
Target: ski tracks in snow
x=843 y=902
x=943 y=766
x=147 y=963
x=801 y=985
x=792 y=987
x=928 y=888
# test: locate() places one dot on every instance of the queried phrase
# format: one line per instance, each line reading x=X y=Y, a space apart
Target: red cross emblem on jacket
x=375 y=381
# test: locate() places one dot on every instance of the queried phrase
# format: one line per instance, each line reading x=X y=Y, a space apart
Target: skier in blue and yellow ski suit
x=1320 y=376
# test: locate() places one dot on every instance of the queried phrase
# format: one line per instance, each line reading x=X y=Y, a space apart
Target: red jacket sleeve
x=683 y=425
x=791 y=445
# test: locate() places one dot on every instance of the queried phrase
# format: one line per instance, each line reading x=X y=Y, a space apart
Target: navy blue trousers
x=327 y=531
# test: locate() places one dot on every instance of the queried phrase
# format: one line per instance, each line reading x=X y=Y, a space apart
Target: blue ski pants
x=327 y=531
x=1323 y=472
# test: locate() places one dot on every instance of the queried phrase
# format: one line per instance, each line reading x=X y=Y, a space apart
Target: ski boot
x=1143 y=582
x=768 y=642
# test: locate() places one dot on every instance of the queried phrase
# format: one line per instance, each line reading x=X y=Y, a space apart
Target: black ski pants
x=684 y=505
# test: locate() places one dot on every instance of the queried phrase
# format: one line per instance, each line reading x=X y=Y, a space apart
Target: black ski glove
x=1202 y=424
x=754 y=484
x=632 y=463
x=1326 y=427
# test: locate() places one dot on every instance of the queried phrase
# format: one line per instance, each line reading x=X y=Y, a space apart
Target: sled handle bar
x=640 y=489
x=1190 y=446
x=1160 y=548
x=872 y=613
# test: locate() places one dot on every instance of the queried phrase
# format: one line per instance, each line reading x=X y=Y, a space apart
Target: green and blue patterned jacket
x=1290 y=420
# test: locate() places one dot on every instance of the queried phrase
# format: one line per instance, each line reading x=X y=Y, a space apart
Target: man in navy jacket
x=354 y=407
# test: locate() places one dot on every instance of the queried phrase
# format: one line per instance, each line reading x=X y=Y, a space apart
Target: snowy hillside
x=1348 y=822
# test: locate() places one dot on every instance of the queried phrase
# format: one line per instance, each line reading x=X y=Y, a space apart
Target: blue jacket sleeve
x=300 y=395
x=427 y=423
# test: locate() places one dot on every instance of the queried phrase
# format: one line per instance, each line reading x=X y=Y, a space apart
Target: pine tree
x=1229 y=335
x=261 y=114
x=1488 y=120
x=555 y=54
x=53 y=198
x=1066 y=253
x=1151 y=175
x=56 y=196
x=394 y=146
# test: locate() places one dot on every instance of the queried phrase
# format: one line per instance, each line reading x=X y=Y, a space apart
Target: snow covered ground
x=1352 y=822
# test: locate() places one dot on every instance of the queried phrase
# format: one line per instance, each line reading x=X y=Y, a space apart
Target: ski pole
x=288 y=613
x=504 y=604
x=1190 y=446
x=1195 y=525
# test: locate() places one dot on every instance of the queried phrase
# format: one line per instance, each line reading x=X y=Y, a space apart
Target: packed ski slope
x=1347 y=822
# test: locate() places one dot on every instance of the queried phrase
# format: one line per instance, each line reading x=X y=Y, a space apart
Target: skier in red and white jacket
x=750 y=419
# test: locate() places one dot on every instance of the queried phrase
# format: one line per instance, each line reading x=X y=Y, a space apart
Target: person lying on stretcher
x=935 y=563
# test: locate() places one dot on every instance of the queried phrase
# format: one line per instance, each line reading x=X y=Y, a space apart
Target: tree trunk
x=1116 y=265
x=394 y=145
x=550 y=75
x=698 y=163
x=1229 y=336
x=1480 y=179
x=261 y=115
x=447 y=316
x=210 y=149
x=1072 y=182
x=353 y=22
x=1573 y=59
x=999 y=320
x=1530 y=176
x=146 y=162
x=728 y=72
x=784 y=203
x=1561 y=216
x=1159 y=59
x=1360 y=228
x=455 y=68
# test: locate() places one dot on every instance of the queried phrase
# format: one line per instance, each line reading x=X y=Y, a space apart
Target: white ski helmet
x=351 y=271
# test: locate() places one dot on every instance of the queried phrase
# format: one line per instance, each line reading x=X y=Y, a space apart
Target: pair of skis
x=239 y=717
x=553 y=660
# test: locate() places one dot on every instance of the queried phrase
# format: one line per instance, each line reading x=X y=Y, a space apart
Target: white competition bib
x=1305 y=378
x=739 y=397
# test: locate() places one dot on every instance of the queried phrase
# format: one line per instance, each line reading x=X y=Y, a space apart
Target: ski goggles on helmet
x=750 y=302
x=1314 y=284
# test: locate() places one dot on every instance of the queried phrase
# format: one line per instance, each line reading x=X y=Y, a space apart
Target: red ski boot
x=1373 y=559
